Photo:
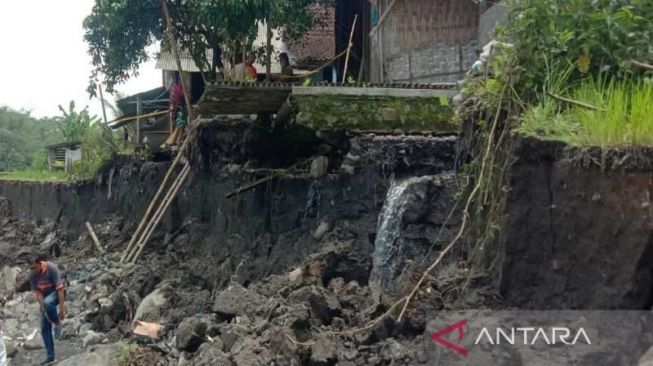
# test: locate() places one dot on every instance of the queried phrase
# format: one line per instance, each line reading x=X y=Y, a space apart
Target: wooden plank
x=96 y=241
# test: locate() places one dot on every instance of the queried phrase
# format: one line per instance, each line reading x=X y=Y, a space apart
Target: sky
x=44 y=60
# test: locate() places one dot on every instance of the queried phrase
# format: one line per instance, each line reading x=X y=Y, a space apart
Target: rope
x=311 y=73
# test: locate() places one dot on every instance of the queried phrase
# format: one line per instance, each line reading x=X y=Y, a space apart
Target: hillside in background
x=22 y=137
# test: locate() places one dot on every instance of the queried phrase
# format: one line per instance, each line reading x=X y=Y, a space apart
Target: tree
x=75 y=125
x=119 y=31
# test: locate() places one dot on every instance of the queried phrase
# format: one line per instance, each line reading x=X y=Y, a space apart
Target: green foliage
x=119 y=31
x=22 y=136
x=74 y=125
x=96 y=153
x=600 y=36
x=39 y=161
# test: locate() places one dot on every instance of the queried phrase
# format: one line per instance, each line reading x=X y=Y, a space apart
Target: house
x=63 y=155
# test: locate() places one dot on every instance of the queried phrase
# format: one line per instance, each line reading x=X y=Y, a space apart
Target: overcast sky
x=44 y=60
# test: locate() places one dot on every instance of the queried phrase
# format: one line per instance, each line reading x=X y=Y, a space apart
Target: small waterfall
x=388 y=257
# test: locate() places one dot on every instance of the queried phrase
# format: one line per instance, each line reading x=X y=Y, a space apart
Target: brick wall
x=425 y=41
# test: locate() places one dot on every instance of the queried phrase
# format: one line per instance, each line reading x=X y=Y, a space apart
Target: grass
x=35 y=176
x=126 y=354
x=623 y=115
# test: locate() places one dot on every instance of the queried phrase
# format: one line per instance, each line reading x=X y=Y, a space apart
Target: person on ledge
x=46 y=282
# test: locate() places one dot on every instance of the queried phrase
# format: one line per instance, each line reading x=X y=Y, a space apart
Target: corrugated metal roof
x=166 y=61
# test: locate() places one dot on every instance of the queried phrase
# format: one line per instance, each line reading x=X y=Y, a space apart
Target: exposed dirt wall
x=266 y=230
x=577 y=229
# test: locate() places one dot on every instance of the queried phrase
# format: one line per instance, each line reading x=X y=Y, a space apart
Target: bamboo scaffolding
x=147 y=227
x=162 y=210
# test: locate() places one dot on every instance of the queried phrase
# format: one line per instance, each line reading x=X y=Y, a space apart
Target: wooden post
x=104 y=110
x=175 y=52
x=351 y=38
x=268 y=45
x=139 y=112
x=96 y=241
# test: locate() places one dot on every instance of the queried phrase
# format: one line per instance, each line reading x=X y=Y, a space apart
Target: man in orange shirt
x=47 y=285
x=251 y=70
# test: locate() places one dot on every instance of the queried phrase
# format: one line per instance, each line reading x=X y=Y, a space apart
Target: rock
x=324 y=305
x=322 y=229
x=71 y=328
x=190 y=334
x=35 y=343
x=324 y=351
x=296 y=276
x=92 y=338
x=319 y=166
x=100 y=355
x=346 y=168
x=211 y=354
x=251 y=353
x=150 y=309
x=237 y=300
x=231 y=334
x=389 y=114
x=10 y=349
x=8 y=278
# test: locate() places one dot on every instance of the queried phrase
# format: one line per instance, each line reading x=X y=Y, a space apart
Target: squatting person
x=48 y=287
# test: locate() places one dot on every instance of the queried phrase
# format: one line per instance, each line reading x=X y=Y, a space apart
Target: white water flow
x=388 y=258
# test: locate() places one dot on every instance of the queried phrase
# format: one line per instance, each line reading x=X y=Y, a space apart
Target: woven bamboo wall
x=432 y=37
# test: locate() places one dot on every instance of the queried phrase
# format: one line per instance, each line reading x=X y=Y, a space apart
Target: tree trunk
x=268 y=51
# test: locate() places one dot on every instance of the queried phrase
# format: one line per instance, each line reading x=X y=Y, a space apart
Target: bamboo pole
x=641 y=65
x=162 y=211
x=104 y=109
x=383 y=16
x=96 y=241
x=351 y=38
x=175 y=51
x=574 y=102
x=145 y=219
x=132 y=249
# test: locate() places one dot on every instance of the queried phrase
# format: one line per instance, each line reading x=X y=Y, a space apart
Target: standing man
x=47 y=285
x=286 y=68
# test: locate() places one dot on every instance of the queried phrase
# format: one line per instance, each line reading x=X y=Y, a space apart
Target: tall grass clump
x=623 y=114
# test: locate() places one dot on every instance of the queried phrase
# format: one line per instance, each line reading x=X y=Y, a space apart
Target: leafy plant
x=74 y=124
x=599 y=36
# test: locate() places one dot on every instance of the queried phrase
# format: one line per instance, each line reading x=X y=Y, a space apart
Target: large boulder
x=101 y=355
x=211 y=354
x=237 y=300
x=152 y=306
x=190 y=334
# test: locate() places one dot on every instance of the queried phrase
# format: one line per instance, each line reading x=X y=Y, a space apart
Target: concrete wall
x=495 y=15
